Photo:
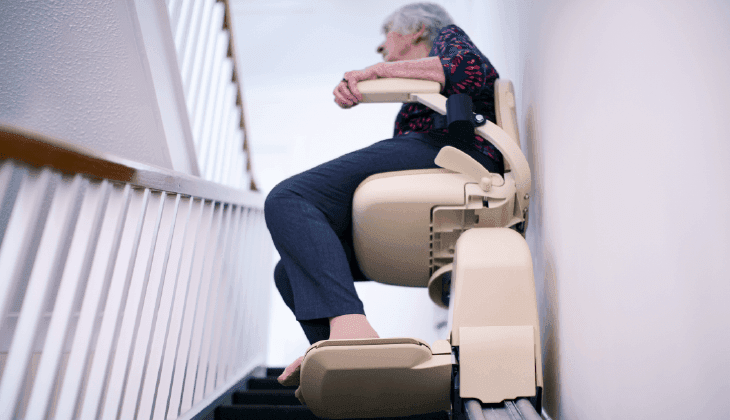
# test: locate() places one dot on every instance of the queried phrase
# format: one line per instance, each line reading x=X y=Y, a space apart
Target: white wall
x=623 y=105
x=78 y=71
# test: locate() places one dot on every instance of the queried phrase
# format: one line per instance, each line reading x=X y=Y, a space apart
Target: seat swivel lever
x=455 y=160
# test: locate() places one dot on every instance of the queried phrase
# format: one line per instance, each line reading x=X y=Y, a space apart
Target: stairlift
x=410 y=228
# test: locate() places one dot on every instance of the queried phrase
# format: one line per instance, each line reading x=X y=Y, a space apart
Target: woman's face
x=397 y=47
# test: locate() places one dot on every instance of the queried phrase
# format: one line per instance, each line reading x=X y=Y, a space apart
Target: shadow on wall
x=546 y=278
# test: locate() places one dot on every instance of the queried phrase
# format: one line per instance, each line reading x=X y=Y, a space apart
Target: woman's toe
x=290 y=377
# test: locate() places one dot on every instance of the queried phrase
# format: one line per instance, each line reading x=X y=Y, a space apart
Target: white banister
x=127 y=291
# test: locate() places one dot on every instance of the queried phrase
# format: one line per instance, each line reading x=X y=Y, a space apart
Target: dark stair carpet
x=266 y=399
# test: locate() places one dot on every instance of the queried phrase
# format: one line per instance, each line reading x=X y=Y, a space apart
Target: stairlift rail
x=126 y=290
x=520 y=409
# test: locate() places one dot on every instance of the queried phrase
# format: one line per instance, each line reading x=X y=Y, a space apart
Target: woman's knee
x=283 y=285
x=280 y=278
x=275 y=200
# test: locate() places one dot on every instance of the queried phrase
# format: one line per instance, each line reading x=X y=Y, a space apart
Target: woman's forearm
x=425 y=69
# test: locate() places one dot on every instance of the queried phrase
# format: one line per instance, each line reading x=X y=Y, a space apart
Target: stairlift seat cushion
x=391 y=218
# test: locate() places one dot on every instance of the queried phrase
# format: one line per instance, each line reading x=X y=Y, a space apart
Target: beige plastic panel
x=435 y=285
x=506 y=108
x=455 y=160
x=493 y=285
x=391 y=216
x=497 y=363
x=441 y=347
x=395 y=89
x=375 y=378
x=513 y=156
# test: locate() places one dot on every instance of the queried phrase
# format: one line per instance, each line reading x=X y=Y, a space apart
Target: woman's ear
x=420 y=35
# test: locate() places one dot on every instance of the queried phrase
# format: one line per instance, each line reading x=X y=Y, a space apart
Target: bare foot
x=351 y=326
x=290 y=377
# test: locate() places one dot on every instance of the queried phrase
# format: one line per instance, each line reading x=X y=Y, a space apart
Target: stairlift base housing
x=408 y=227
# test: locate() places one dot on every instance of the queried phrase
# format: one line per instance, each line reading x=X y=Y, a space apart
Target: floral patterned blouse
x=467 y=70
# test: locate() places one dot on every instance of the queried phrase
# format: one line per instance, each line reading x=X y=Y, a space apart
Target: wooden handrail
x=40 y=150
x=228 y=25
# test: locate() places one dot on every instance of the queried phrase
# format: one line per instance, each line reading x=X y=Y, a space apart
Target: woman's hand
x=346 y=93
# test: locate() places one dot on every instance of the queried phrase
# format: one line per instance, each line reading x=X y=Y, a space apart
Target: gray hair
x=409 y=18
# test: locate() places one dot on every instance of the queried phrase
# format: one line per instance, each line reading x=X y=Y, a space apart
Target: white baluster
x=182 y=29
x=193 y=63
x=223 y=310
x=206 y=237
x=108 y=250
x=189 y=39
x=201 y=97
x=209 y=144
x=159 y=256
x=78 y=265
x=118 y=290
x=204 y=368
x=49 y=261
x=200 y=310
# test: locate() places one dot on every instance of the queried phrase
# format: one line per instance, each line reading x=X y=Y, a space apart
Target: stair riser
x=265 y=398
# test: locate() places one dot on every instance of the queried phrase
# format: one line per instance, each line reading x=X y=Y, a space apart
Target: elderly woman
x=309 y=214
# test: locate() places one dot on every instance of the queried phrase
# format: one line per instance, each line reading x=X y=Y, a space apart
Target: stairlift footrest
x=497 y=363
x=375 y=378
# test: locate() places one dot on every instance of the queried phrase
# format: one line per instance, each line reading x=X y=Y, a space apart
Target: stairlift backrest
x=505 y=107
x=405 y=224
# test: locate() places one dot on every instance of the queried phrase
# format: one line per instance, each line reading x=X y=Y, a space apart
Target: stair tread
x=266 y=383
x=265 y=397
x=268 y=412
x=267 y=391
x=274 y=371
x=263 y=412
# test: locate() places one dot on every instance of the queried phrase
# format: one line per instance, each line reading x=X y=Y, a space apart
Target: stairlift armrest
x=395 y=89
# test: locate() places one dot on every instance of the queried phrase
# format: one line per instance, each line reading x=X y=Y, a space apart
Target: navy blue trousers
x=309 y=217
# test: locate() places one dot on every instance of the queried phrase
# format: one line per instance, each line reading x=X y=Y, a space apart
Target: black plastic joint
x=459 y=117
x=459 y=108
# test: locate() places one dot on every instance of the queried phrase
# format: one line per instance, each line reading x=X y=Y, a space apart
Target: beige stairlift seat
x=405 y=229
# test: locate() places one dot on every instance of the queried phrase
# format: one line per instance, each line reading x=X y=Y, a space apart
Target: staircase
x=266 y=399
